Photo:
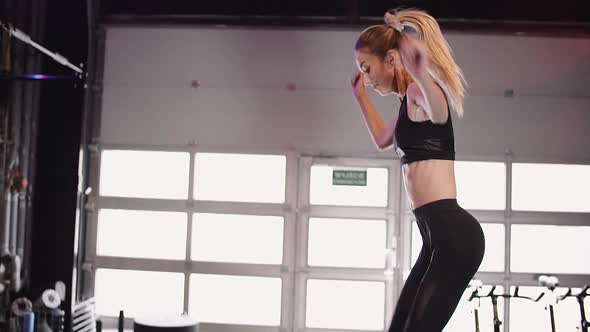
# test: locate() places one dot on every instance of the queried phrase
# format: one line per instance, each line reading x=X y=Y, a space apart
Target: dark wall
x=58 y=140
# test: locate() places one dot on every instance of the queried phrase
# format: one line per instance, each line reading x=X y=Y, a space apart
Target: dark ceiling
x=541 y=10
x=496 y=15
x=567 y=11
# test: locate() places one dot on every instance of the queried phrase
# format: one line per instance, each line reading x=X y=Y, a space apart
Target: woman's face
x=379 y=72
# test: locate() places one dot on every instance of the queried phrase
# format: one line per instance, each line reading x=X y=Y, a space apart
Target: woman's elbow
x=383 y=146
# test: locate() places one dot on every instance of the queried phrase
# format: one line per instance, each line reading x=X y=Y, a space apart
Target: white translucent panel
x=481 y=185
x=345 y=305
x=416 y=242
x=237 y=238
x=74 y=289
x=463 y=319
x=550 y=249
x=347 y=243
x=141 y=234
x=235 y=299
x=493 y=259
x=138 y=293
x=80 y=170
x=528 y=316
x=77 y=230
x=240 y=177
x=323 y=192
x=550 y=187
x=144 y=174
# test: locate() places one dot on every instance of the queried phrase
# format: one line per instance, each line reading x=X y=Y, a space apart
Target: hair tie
x=393 y=21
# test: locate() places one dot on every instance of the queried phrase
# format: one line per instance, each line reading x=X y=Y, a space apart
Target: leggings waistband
x=436 y=206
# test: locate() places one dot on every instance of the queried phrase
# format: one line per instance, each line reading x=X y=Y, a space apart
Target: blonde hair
x=443 y=69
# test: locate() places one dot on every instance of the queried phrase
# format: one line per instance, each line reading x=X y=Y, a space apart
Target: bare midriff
x=429 y=180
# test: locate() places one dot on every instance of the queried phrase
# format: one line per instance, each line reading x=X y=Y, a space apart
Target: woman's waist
x=429 y=180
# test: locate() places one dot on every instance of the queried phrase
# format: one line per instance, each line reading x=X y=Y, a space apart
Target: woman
x=408 y=56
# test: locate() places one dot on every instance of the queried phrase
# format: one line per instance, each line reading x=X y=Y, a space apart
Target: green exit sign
x=349 y=178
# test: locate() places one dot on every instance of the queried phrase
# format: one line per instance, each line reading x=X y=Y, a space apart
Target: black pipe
x=40 y=19
x=552 y=316
x=6 y=96
x=583 y=321
x=497 y=321
x=121 y=322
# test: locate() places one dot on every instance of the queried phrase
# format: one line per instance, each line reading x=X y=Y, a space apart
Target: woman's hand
x=414 y=57
x=358 y=85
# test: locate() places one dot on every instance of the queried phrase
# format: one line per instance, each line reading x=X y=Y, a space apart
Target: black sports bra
x=423 y=140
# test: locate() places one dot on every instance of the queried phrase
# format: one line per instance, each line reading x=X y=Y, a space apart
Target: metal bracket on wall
x=87 y=267
x=90 y=207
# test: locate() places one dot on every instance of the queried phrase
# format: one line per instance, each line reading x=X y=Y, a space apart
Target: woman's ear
x=391 y=57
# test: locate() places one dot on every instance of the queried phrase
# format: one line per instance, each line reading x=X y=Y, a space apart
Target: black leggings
x=452 y=250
